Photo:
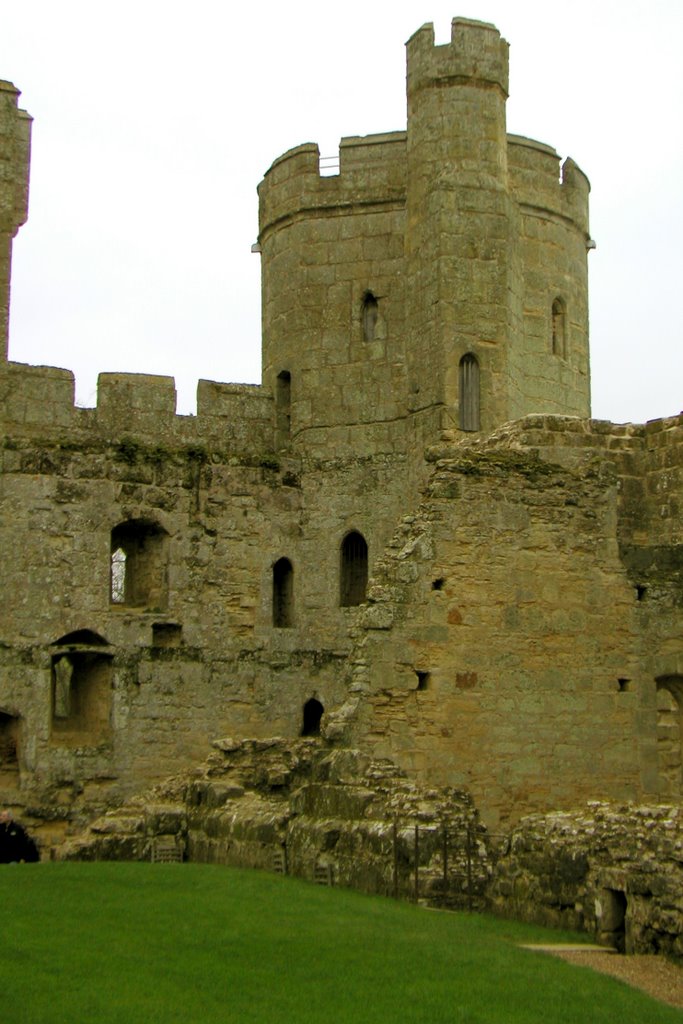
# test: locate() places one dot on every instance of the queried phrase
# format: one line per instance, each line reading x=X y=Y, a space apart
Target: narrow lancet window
x=354 y=570
x=469 y=393
x=118 y=576
x=559 y=328
x=283 y=594
x=369 y=315
x=283 y=408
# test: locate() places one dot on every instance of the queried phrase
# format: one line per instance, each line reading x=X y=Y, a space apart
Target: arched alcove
x=81 y=696
x=81 y=637
x=353 y=574
x=313 y=713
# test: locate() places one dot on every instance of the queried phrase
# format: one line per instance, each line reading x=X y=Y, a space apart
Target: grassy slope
x=134 y=943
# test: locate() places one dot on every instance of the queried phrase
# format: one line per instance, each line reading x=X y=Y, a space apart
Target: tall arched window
x=369 y=315
x=469 y=392
x=353 y=569
x=283 y=593
x=559 y=328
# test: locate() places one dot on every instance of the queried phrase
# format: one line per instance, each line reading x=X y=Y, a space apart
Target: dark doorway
x=313 y=712
x=15 y=843
x=614 y=918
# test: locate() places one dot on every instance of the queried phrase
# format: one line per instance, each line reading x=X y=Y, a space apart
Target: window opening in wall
x=624 y=685
x=670 y=736
x=9 y=741
x=354 y=569
x=369 y=314
x=81 y=696
x=283 y=408
x=469 y=392
x=283 y=594
x=166 y=634
x=641 y=591
x=118 y=576
x=438 y=584
x=559 y=328
x=313 y=713
x=139 y=552
x=423 y=680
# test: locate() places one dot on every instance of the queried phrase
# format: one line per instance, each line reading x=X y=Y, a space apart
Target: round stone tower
x=438 y=282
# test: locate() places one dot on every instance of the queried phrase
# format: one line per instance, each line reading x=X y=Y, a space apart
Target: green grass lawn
x=197 y=944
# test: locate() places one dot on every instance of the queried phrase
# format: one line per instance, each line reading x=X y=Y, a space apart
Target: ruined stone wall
x=192 y=651
x=612 y=870
x=503 y=647
x=333 y=816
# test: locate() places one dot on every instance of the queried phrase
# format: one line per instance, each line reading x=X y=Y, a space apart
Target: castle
x=411 y=537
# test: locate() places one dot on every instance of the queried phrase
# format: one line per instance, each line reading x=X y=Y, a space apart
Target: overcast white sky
x=154 y=122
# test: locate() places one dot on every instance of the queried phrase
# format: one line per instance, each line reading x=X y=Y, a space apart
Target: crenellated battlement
x=372 y=171
x=476 y=51
x=538 y=181
x=39 y=400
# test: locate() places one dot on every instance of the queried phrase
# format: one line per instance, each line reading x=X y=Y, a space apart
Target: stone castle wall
x=508 y=649
x=363 y=546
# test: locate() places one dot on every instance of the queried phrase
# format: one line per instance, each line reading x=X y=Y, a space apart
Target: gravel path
x=655 y=975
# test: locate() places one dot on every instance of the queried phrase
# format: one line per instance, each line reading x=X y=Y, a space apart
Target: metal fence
x=444 y=865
